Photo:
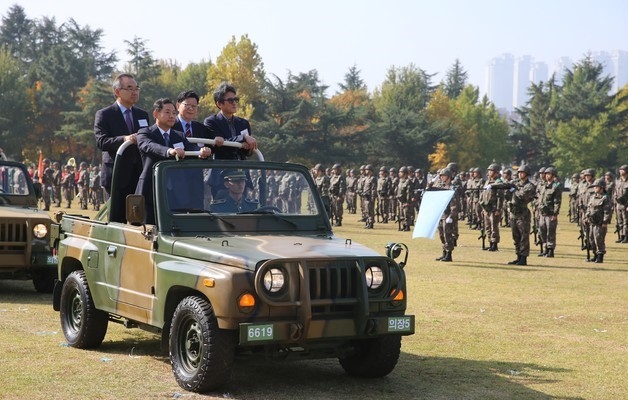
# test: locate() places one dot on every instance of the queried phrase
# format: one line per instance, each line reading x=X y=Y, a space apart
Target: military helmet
x=452 y=166
x=410 y=168
x=542 y=170
x=83 y=164
x=624 y=167
x=46 y=161
x=575 y=176
x=493 y=167
x=418 y=171
x=507 y=171
x=392 y=169
x=361 y=167
x=550 y=170
x=318 y=167
x=403 y=169
x=609 y=173
x=368 y=167
x=476 y=169
x=336 y=166
x=445 y=171
x=589 y=171
x=383 y=169
x=599 y=182
x=524 y=168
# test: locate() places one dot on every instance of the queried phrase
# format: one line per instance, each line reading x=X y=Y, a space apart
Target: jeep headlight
x=40 y=231
x=374 y=277
x=274 y=280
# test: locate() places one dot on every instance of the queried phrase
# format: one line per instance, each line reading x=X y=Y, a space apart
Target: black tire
x=373 y=358
x=44 y=281
x=84 y=326
x=201 y=354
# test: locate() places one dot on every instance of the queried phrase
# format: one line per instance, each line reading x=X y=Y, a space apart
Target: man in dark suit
x=187 y=105
x=113 y=126
x=160 y=142
x=225 y=125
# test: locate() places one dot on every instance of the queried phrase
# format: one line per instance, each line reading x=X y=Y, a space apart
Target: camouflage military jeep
x=25 y=251
x=270 y=281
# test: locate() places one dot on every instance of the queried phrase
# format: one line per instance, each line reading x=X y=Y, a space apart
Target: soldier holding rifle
x=523 y=193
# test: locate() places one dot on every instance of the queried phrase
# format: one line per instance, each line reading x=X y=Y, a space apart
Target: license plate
x=52 y=260
x=259 y=332
x=399 y=324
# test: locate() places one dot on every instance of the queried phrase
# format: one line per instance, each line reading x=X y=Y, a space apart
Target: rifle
x=581 y=238
x=588 y=246
x=482 y=234
x=617 y=227
x=537 y=237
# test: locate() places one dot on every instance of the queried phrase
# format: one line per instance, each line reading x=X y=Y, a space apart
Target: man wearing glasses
x=113 y=126
x=187 y=105
x=226 y=126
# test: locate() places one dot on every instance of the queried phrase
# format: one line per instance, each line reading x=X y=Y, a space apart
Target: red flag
x=40 y=167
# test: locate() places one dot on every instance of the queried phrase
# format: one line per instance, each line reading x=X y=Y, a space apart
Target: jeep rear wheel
x=201 y=354
x=83 y=325
x=373 y=358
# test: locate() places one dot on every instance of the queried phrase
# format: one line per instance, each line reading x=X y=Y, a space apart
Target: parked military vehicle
x=266 y=277
x=25 y=251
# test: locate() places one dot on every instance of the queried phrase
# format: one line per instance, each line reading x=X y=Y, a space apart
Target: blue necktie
x=167 y=139
x=188 y=131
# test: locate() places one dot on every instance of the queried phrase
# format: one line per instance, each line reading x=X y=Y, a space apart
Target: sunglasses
x=232 y=100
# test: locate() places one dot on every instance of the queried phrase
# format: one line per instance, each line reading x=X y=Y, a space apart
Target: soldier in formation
x=491 y=202
x=621 y=204
x=446 y=231
x=523 y=193
x=337 y=192
x=549 y=202
x=598 y=215
x=384 y=188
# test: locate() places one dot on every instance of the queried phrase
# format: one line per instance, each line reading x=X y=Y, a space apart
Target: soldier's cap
x=233 y=175
x=624 y=167
x=599 y=182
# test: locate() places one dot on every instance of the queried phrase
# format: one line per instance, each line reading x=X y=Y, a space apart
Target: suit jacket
x=185 y=192
x=218 y=125
x=110 y=129
x=198 y=129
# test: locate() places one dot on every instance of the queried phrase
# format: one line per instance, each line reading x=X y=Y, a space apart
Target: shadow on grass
x=536 y=267
x=414 y=378
x=22 y=292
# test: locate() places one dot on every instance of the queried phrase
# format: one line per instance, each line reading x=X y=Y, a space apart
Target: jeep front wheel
x=83 y=325
x=373 y=358
x=201 y=354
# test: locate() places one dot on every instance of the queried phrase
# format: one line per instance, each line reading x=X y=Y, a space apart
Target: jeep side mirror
x=393 y=250
x=135 y=209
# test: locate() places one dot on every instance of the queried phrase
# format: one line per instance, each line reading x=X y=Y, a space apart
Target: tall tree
x=14 y=105
x=240 y=64
x=16 y=32
x=353 y=81
x=455 y=80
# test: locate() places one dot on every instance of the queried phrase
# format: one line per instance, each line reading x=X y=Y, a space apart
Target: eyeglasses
x=190 y=106
x=232 y=100
x=131 y=89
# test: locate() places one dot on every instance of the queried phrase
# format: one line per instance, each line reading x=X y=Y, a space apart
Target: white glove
x=488 y=187
x=512 y=189
x=449 y=220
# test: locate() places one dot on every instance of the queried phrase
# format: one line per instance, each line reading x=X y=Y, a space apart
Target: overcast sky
x=332 y=35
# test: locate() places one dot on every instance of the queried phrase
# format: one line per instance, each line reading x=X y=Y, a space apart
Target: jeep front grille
x=334 y=286
x=13 y=237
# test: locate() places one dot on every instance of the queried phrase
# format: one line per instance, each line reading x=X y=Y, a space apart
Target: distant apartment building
x=521 y=83
x=498 y=80
x=560 y=66
x=619 y=69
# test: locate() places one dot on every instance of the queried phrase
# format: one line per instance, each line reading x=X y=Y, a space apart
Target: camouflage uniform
x=404 y=198
x=369 y=193
x=522 y=194
x=475 y=182
x=46 y=184
x=359 y=190
x=506 y=178
x=573 y=198
x=621 y=203
x=337 y=192
x=83 y=185
x=599 y=214
x=585 y=191
x=67 y=185
x=394 y=205
x=56 y=183
x=352 y=185
x=95 y=188
x=384 y=187
x=446 y=231
x=491 y=202
x=550 y=199
x=322 y=185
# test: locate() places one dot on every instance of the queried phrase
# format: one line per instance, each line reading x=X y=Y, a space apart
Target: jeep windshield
x=236 y=196
x=16 y=187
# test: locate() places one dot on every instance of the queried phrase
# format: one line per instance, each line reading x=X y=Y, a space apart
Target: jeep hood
x=23 y=212
x=247 y=251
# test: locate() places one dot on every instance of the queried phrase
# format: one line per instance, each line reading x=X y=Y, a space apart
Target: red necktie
x=129 y=121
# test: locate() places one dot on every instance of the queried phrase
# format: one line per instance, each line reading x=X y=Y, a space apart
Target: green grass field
x=555 y=329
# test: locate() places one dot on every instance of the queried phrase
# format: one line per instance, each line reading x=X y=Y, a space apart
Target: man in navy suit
x=187 y=105
x=113 y=126
x=225 y=125
x=160 y=142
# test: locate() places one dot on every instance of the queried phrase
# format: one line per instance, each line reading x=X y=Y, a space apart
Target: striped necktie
x=188 y=131
x=167 y=139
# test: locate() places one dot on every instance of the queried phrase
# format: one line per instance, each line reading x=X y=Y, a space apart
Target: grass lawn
x=555 y=329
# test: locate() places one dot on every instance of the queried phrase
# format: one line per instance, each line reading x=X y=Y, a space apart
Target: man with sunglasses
x=226 y=126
